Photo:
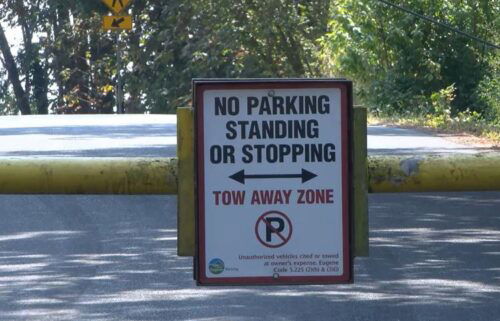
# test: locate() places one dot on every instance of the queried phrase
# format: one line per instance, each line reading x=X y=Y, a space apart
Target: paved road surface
x=433 y=256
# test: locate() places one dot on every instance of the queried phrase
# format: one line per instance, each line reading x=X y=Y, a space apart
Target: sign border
x=345 y=86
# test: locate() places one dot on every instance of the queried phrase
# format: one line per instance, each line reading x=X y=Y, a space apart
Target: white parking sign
x=273 y=181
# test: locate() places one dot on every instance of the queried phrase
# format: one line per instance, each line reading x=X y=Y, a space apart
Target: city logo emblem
x=216 y=266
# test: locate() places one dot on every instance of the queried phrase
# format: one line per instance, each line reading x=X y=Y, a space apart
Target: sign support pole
x=360 y=185
x=118 y=23
x=186 y=198
x=119 y=78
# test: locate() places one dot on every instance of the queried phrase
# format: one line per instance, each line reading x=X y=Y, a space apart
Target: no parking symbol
x=273 y=229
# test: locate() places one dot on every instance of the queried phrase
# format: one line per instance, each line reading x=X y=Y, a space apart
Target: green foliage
x=171 y=43
x=399 y=61
x=401 y=65
x=177 y=41
x=442 y=100
x=489 y=91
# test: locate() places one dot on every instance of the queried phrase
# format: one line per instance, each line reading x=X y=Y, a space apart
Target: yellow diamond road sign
x=117 y=5
x=117 y=22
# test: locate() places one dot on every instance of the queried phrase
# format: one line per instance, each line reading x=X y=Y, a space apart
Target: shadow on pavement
x=433 y=257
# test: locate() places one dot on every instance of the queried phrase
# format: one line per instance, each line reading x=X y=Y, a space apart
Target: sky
x=14 y=37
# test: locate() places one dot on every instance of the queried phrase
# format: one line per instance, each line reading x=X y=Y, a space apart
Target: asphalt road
x=433 y=256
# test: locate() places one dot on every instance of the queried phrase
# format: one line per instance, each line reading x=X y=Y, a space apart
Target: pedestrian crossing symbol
x=117 y=6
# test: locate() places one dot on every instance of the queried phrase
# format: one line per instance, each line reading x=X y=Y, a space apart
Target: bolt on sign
x=273 y=181
x=117 y=21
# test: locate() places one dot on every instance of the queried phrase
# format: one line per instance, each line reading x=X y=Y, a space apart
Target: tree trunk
x=40 y=86
x=58 y=18
x=21 y=98
x=27 y=31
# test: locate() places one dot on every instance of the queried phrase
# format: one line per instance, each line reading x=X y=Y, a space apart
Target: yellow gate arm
x=88 y=175
x=396 y=174
x=375 y=174
x=158 y=176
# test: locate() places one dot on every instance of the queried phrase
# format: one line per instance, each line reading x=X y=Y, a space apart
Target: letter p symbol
x=270 y=228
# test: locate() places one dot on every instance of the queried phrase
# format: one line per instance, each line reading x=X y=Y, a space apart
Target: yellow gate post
x=186 y=199
x=360 y=184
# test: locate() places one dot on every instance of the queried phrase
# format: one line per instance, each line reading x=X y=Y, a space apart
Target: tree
x=172 y=42
x=13 y=73
x=399 y=60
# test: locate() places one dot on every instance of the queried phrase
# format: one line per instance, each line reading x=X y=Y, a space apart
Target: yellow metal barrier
x=377 y=174
x=386 y=174
x=380 y=174
x=160 y=176
x=395 y=174
x=88 y=176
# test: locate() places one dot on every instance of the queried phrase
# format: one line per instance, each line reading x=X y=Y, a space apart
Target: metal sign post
x=273 y=181
x=119 y=77
x=117 y=22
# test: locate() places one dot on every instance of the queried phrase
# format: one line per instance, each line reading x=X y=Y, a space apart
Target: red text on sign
x=271 y=197
x=229 y=197
x=315 y=196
